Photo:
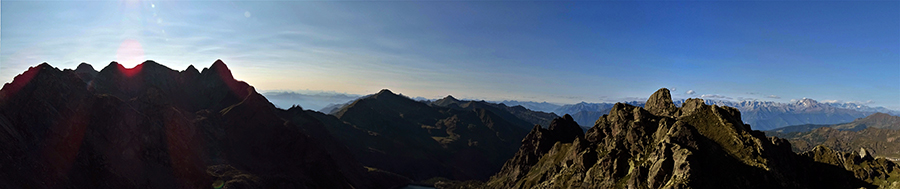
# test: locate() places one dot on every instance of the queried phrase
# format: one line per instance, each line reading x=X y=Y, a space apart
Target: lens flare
x=218 y=184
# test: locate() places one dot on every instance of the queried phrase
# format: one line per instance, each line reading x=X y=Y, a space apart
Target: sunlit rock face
x=153 y=127
x=695 y=146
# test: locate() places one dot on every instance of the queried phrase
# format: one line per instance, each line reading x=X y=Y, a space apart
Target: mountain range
x=761 y=115
x=432 y=140
x=154 y=127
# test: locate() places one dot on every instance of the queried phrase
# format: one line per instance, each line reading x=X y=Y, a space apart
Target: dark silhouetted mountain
x=515 y=114
x=695 y=146
x=332 y=108
x=86 y=72
x=154 y=127
x=446 y=102
x=394 y=133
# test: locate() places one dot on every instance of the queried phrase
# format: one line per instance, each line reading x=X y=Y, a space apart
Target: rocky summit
x=694 y=146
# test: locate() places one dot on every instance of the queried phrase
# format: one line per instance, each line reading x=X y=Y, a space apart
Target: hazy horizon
x=558 y=52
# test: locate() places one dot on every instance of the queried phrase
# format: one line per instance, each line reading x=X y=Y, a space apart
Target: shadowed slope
x=397 y=134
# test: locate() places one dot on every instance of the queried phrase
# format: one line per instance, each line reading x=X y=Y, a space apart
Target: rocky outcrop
x=662 y=146
x=537 y=143
x=879 y=171
x=660 y=103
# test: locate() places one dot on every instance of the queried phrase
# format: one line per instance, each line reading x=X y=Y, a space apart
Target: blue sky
x=561 y=52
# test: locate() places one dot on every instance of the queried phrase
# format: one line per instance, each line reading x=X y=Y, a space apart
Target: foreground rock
x=695 y=146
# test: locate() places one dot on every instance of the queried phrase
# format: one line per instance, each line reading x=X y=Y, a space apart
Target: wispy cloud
x=746 y=99
x=715 y=96
x=690 y=92
x=773 y=97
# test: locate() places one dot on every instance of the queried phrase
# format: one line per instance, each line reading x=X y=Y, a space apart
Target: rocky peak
x=865 y=154
x=219 y=68
x=565 y=128
x=86 y=72
x=85 y=67
x=191 y=69
x=536 y=144
x=660 y=103
x=21 y=80
x=190 y=73
x=806 y=102
x=446 y=101
x=116 y=69
x=384 y=93
x=450 y=97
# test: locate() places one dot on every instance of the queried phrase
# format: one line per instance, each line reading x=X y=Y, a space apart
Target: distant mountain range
x=761 y=115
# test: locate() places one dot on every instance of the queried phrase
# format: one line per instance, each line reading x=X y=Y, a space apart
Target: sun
x=130 y=53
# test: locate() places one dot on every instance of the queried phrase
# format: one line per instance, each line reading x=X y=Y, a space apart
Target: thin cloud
x=690 y=92
x=715 y=96
x=746 y=99
x=773 y=97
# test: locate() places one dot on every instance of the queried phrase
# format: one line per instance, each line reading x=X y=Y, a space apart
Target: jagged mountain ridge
x=151 y=126
x=695 y=146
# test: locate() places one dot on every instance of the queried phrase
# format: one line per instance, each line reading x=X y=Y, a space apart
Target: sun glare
x=130 y=53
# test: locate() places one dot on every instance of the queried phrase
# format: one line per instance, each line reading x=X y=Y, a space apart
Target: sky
x=554 y=51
